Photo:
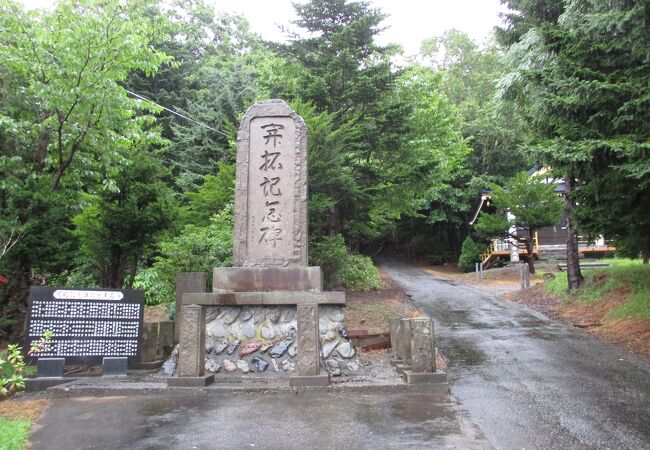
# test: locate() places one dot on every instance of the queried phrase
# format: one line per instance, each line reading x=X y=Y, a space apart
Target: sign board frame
x=89 y=299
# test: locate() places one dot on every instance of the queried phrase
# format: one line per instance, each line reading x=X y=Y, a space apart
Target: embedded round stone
x=216 y=329
x=336 y=315
x=288 y=315
x=229 y=366
x=209 y=345
x=293 y=350
x=268 y=332
x=288 y=366
x=231 y=315
x=247 y=330
x=246 y=314
x=279 y=349
x=211 y=365
x=345 y=349
x=274 y=362
x=260 y=364
x=220 y=345
x=243 y=366
x=232 y=347
x=273 y=315
x=327 y=348
x=333 y=367
x=249 y=348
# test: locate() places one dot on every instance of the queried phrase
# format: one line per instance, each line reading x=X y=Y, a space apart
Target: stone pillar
x=308 y=340
x=422 y=346
x=165 y=338
x=149 y=342
x=404 y=341
x=191 y=358
x=186 y=283
x=394 y=331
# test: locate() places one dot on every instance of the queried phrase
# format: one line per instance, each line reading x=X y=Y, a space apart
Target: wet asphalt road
x=519 y=380
x=526 y=381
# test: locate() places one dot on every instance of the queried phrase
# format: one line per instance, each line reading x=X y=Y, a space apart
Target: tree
x=583 y=73
x=66 y=123
x=116 y=227
x=524 y=203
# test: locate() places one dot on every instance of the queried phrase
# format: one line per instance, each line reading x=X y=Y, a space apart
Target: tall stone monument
x=270 y=244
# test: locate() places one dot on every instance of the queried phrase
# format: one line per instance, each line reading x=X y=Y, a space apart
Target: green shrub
x=11 y=370
x=197 y=248
x=341 y=267
x=156 y=289
x=470 y=254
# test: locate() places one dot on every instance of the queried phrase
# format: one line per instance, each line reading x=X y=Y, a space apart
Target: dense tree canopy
x=118 y=123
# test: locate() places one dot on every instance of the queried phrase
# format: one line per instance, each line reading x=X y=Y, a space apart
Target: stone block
x=186 y=282
x=50 y=367
x=394 y=334
x=313 y=380
x=114 y=366
x=264 y=298
x=191 y=357
x=411 y=377
x=258 y=279
x=396 y=362
x=149 y=342
x=201 y=381
x=404 y=341
x=308 y=340
x=165 y=338
x=422 y=352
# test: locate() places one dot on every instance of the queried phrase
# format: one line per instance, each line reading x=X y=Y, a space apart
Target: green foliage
x=621 y=277
x=470 y=254
x=156 y=290
x=580 y=69
x=11 y=371
x=197 y=249
x=14 y=433
x=116 y=228
x=216 y=192
x=531 y=201
x=341 y=267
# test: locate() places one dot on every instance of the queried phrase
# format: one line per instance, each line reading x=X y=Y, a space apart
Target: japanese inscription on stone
x=270 y=204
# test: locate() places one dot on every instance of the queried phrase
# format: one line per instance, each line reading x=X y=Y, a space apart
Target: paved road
x=529 y=382
x=519 y=380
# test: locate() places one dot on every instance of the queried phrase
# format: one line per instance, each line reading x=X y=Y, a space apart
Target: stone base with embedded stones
x=202 y=381
x=396 y=362
x=411 y=377
x=309 y=380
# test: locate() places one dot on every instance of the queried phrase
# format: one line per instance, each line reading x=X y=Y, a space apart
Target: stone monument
x=270 y=248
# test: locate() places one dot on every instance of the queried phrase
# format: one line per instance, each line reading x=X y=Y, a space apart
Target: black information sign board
x=87 y=324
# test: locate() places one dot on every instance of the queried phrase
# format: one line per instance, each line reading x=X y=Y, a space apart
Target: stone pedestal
x=422 y=347
x=404 y=341
x=114 y=367
x=191 y=357
x=308 y=367
x=186 y=282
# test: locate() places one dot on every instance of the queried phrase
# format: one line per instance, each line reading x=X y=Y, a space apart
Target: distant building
x=549 y=242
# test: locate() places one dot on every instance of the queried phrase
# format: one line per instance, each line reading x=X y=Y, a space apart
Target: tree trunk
x=646 y=256
x=529 y=250
x=574 y=275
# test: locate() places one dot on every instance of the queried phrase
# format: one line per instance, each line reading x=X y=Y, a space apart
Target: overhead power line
x=177 y=113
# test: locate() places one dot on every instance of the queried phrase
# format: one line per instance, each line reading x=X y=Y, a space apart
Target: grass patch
x=13 y=433
x=624 y=276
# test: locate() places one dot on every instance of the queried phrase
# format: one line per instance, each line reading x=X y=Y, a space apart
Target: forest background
x=118 y=129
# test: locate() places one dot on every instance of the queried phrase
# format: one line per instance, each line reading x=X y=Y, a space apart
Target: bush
x=197 y=249
x=156 y=289
x=341 y=267
x=470 y=254
x=11 y=371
